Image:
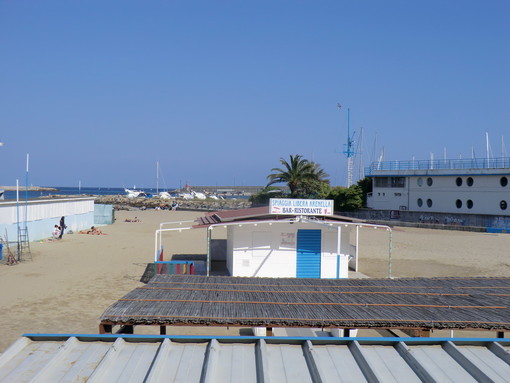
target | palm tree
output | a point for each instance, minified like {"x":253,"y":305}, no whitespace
{"x":296,"y":172}
{"x":319,"y":173}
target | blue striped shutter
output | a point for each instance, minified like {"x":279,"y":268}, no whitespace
{"x":308,"y":263}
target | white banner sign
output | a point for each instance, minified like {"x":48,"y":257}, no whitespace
{"x":301,"y":206}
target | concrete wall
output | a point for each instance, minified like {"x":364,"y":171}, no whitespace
{"x":103,"y":214}
{"x":270,"y":250}
{"x":435,"y":219}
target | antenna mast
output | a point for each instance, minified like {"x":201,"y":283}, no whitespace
{"x":157,"y":177}
{"x":349,"y":152}
{"x":361,"y":170}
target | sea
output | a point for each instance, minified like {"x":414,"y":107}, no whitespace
{"x":65,"y":190}
{"x":73,"y":191}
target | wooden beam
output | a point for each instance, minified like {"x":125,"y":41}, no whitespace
{"x":105,"y":328}
{"x":418,"y":333}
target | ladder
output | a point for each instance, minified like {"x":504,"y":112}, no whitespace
{"x":24,"y":252}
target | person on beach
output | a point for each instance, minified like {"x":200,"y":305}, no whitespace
{"x":93,"y":231}
{"x":56,"y":232}
{"x":62,"y":227}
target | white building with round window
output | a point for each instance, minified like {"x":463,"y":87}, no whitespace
{"x":469,"y":186}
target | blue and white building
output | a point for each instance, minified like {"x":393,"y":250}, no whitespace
{"x":39,"y":216}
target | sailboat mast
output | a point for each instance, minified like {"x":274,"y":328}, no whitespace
{"x":157,"y":177}
{"x":487,"y":148}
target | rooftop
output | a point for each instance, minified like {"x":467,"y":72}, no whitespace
{"x":114,"y":358}
{"x":415,"y":303}
{"x":254,"y":214}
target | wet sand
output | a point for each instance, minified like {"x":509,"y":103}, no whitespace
{"x":69,"y":283}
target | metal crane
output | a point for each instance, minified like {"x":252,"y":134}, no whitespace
{"x":349,"y":148}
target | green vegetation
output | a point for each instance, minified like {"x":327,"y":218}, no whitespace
{"x":366,"y":187}
{"x":307,"y":180}
{"x":262,"y":197}
{"x":347,"y":199}
{"x":304,"y":178}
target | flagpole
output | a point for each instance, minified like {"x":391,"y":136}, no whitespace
{"x":17,"y":218}
{"x":26,"y":193}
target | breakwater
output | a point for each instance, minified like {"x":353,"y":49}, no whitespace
{"x":123,"y":203}
{"x":30,"y":188}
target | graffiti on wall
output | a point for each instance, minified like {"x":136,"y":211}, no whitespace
{"x":500,"y":223}
{"x":379,"y":215}
{"x":446,"y":220}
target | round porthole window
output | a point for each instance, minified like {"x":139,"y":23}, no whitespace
{"x":429,"y":181}
{"x":503,"y":181}
{"x":503,"y":205}
{"x":419,"y":181}
{"x":458,"y":203}
{"x":429,"y":202}
{"x":469,"y":204}
{"x":419,"y":202}
{"x":458,"y":181}
{"x":470,"y":181}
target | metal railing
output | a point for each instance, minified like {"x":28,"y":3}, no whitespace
{"x":472,"y":163}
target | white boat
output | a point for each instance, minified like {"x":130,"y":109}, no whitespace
{"x":192,"y":195}
{"x":165,"y":195}
{"x":132,"y":193}
{"x":185,"y":195}
{"x":198,"y":195}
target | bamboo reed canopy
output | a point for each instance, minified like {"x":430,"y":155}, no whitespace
{"x":417,"y":303}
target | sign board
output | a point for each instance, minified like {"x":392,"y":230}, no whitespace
{"x":301,"y":206}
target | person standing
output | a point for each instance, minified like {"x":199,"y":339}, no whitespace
{"x":62,"y":227}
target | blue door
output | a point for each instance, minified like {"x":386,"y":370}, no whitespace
{"x":308,"y":263}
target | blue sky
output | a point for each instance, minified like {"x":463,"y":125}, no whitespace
{"x":217,"y":91}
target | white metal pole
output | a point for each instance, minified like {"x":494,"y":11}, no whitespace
{"x":357,"y":246}
{"x":17,"y":218}
{"x":338,"y":249}
{"x":389,"y":252}
{"x":209,"y":250}
{"x":26,"y":193}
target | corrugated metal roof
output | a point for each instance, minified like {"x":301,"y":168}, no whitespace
{"x":115,"y":358}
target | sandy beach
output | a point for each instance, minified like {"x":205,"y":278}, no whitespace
{"x":69,"y":283}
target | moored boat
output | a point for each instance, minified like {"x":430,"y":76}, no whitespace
{"x":132,"y":193}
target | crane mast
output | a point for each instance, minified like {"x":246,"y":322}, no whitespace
{"x":349,"y":149}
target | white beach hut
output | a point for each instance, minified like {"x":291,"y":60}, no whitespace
{"x":290,"y":238}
